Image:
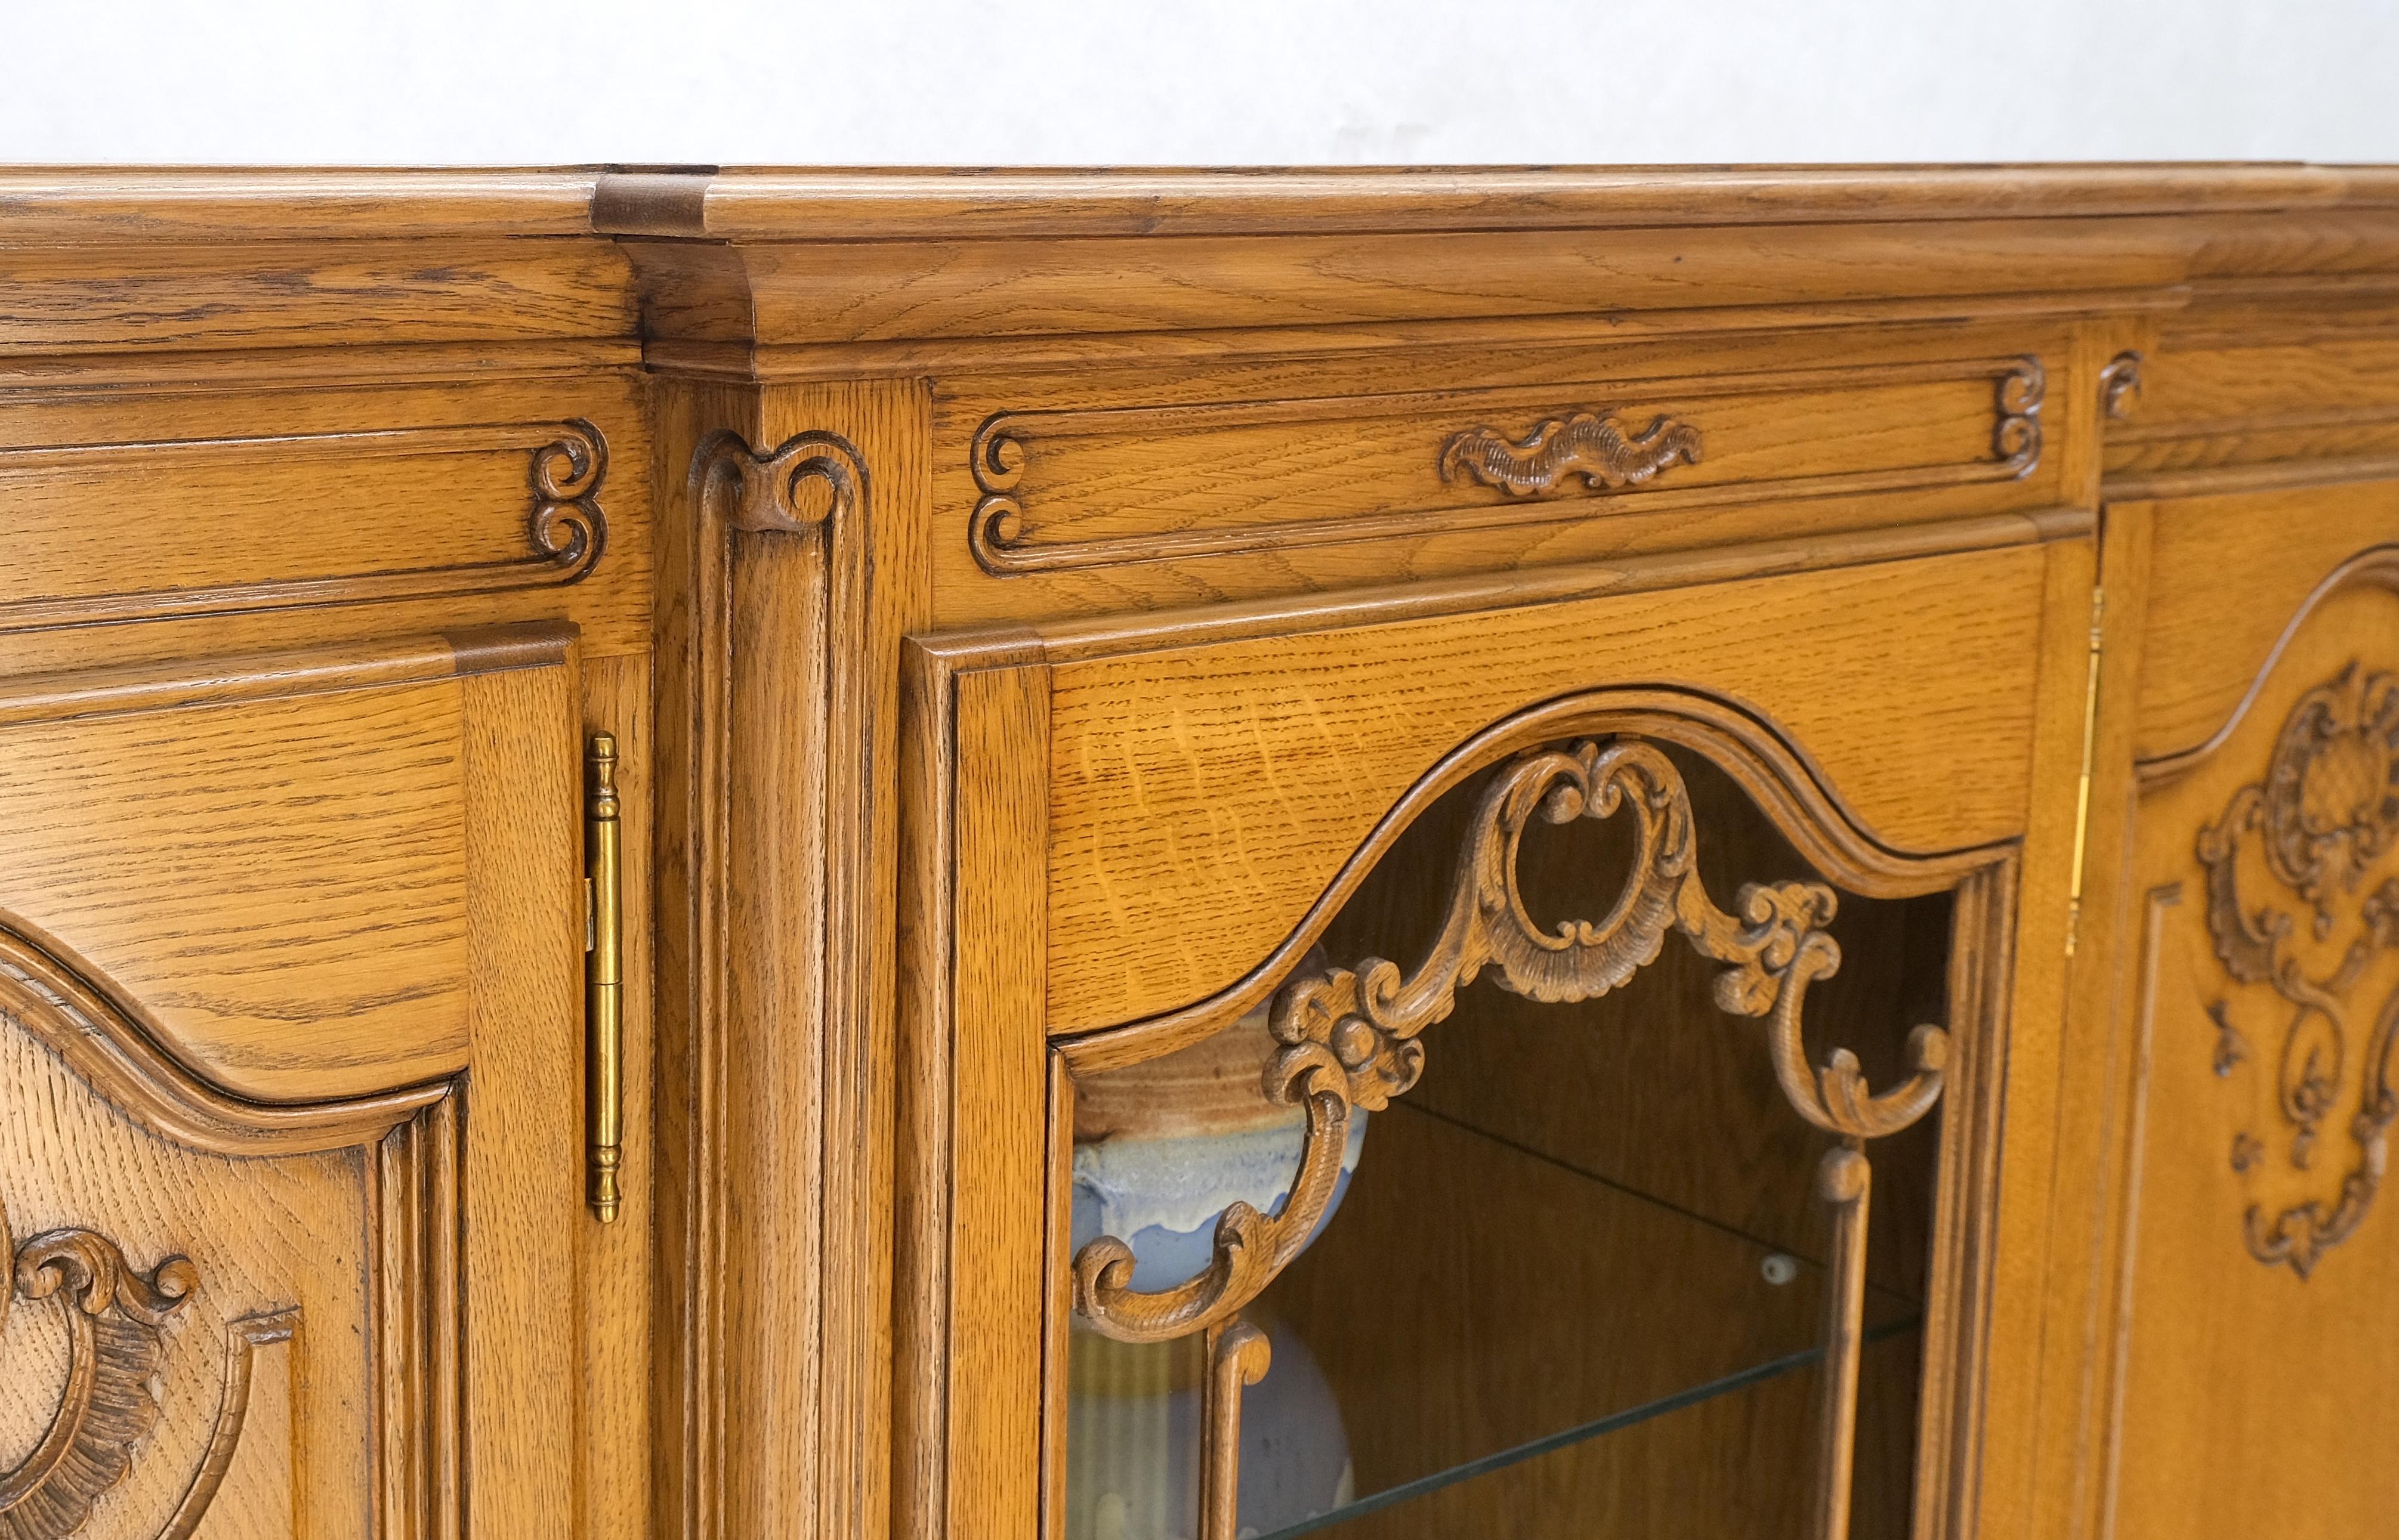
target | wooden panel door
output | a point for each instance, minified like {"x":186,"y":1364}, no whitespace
{"x":1124,"y":846}
{"x":290,"y":1144}
{"x":2244,"y":1382}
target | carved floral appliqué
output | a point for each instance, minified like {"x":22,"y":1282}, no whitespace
{"x":2322,"y":820}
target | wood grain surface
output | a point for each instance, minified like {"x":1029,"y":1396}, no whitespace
{"x":2235,"y":1391}
{"x":370,"y":884}
{"x":1203,"y":795}
{"x":994,"y":743}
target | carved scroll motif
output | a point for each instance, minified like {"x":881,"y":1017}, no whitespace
{"x":1351,"y":1037}
{"x":113,"y":1318}
{"x":243,"y":1339}
{"x":2119,"y":385}
{"x":566,"y":526}
{"x":2326,"y":812}
{"x":2015,"y":438}
{"x":320,"y":474}
{"x":1590,"y":444}
{"x":999,"y":464}
{"x":769,"y":491}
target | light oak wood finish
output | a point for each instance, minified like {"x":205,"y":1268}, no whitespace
{"x":401,"y":1236}
{"x":1035,"y":608}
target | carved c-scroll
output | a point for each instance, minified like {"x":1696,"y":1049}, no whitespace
{"x":2015,"y":438}
{"x":1348,"y":1038}
{"x":566,"y":524}
{"x":997,"y":461}
{"x":1592,"y":445}
{"x":113,"y":1318}
{"x":117,"y":1317}
{"x":2119,"y":385}
{"x":243,"y":1339}
{"x":2326,"y":812}
{"x":767,"y":489}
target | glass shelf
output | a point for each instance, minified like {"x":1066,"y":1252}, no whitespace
{"x":1566,"y":1439}
{"x":1486,"y":1335}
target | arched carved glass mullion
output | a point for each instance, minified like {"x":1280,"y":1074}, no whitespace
{"x":1348,"y":1036}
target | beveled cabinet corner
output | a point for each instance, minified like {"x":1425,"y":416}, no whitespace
{"x":1173,"y":855}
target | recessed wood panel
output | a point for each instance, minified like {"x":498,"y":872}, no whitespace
{"x":2251,"y":1348}
{"x":279,"y":1253}
{"x":2330,"y":392}
{"x":199,"y":526}
{"x":2227,"y":575}
{"x":1203,"y":796}
{"x":281,"y":885}
{"x":1067,"y":489}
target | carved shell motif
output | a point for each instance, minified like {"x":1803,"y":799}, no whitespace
{"x":113,"y":1318}
{"x":2325,"y":815}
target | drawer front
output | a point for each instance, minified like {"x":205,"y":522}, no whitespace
{"x":483,"y":502}
{"x":1064,"y":490}
{"x":1129,"y":486}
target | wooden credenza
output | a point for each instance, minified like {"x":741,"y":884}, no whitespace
{"x":1160,"y":855}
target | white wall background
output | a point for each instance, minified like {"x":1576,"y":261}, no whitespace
{"x":981,"y":82}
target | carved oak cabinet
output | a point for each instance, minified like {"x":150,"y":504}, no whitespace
{"x":1168,"y":856}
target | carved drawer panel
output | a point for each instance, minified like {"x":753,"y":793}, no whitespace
{"x":1133,"y":486}
{"x":264,"y":502}
{"x":1064,"y":488}
{"x":2208,"y":402}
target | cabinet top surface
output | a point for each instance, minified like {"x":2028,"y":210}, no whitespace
{"x":65,"y":204}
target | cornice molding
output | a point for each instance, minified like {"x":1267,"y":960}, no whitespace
{"x":804,"y":205}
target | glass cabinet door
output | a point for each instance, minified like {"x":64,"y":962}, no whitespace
{"x":1605,"y":1206}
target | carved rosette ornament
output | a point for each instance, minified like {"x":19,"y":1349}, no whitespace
{"x":2318,"y":825}
{"x":113,"y":1318}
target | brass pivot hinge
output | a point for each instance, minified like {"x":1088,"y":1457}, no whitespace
{"x":604,"y":981}
{"x":2082,"y":790}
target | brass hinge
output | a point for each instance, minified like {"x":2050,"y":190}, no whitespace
{"x":604,"y":981}
{"x":2082,"y":790}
